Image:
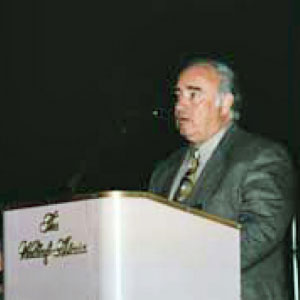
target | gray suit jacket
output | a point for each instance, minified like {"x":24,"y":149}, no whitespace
{"x":249,"y":180}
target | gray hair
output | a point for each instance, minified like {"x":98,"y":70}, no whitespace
{"x":228,"y":81}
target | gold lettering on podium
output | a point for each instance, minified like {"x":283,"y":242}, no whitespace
{"x":62,"y":247}
{"x":38,"y":249}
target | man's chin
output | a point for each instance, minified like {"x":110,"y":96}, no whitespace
{"x":188,"y":136}
{"x":191,"y":138}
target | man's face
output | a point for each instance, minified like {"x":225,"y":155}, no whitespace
{"x":196,"y":110}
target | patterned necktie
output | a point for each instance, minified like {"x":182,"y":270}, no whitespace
{"x":188,"y":180}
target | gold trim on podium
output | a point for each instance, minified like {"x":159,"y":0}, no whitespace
{"x":160,"y":199}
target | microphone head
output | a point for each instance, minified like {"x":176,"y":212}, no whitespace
{"x":161,"y":113}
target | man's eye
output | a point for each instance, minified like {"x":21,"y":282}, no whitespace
{"x":195,"y":95}
{"x":188,"y":94}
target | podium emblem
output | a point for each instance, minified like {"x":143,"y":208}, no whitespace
{"x":50,"y":222}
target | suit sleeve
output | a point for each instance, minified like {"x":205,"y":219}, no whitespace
{"x":267,"y":194}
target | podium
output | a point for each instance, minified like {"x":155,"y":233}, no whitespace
{"x":120,"y":246}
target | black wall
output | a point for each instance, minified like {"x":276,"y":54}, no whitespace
{"x":81,"y":78}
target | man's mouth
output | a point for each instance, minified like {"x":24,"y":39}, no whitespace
{"x":183,"y":119}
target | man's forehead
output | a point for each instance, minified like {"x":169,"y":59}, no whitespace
{"x":203,"y":71}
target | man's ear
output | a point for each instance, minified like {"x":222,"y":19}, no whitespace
{"x":227,"y":103}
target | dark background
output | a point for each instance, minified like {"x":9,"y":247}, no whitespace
{"x":81,"y":79}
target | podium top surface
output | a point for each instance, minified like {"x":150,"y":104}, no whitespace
{"x":136,"y":194}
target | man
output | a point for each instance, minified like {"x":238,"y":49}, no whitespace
{"x":237,"y":175}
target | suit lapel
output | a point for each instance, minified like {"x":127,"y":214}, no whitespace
{"x":171,"y":171}
{"x":214,"y":171}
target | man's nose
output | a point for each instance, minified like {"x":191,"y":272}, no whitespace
{"x":182,"y":102}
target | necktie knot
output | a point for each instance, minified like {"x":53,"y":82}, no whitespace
{"x":193,"y":161}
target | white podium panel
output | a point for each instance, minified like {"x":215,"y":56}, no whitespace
{"x":120,"y":246}
{"x":40,"y":265}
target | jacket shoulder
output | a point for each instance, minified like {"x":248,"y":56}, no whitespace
{"x":251,"y":146}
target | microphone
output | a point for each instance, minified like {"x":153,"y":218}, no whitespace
{"x":162,"y":113}
{"x":158,"y":113}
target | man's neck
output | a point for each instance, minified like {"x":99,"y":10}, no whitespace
{"x":213,"y":136}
